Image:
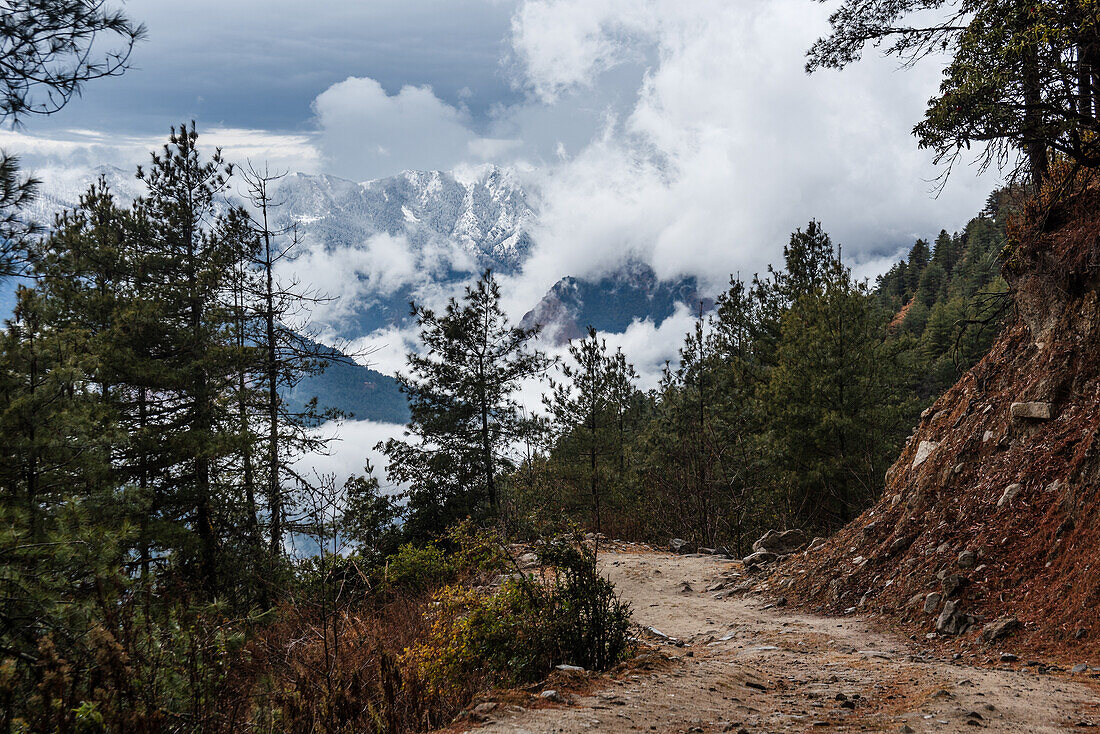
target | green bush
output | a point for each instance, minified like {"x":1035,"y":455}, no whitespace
{"x":569,"y":613}
{"x":418,"y":568}
{"x":590,"y":623}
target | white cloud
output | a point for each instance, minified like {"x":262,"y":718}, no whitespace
{"x":385,"y":350}
{"x":78,"y":150}
{"x":346,"y":277}
{"x":492,"y":148}
{"x":566,"y":44}
{"x":352,"y":448}
{"x":727,"y":145}
{"x":366,"y":133}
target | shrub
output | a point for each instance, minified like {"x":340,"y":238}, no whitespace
{"x":417,"y":568}
{"x":566,"y":614}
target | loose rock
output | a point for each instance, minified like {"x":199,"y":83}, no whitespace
{"x":951,"y":621}
{"x":1009,"y":494}
{"x":759,"y":558}
{"x":999,"y":628}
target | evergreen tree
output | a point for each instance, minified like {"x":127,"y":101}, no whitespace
{"x":588,"y":411}
{"x":833,"y":398}
{"x":465,"y":418}
{"x":187,"y":266}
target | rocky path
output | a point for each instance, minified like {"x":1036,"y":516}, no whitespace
{"x":743,"y":664}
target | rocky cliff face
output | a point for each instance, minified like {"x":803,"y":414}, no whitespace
{"x":990,"y":519}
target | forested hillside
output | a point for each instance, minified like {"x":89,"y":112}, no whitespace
{"x":950,"y":295}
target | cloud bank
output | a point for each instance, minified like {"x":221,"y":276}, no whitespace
{"x":728,"y":145}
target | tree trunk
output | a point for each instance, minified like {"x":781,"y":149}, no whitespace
{"x":1034,"y":142}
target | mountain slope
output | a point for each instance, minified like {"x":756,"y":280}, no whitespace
{"x":611,"y":302}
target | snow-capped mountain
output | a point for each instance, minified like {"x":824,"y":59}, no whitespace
{"x":419,"y":235}
{"x":375,"y":245}
{"x":611,"y":302}
{"x":487,"y":215}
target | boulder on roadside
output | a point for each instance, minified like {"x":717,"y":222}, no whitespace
{"x":759,"y":558}
{"x":678,"y":545}
{"x":999,"y":628}
{"x":952,"y":621}
{"x":782,"y":542}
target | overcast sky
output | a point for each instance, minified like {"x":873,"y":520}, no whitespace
{"x":682,"y":132}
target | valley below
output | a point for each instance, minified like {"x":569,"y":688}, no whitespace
{"x":728,"y":658}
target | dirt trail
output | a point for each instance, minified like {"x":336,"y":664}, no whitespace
{"x":747,"y":665}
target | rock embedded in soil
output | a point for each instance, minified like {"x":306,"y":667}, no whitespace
{"x":1009,"y":494}
{"x":951,"y":583}
{"x":924,"y":450}
{"x":999,"y":628}
{"x":968,"y":559}
{"x":932,"y":602}
{"x":899,"y":545}
{"x":678,"y":545}
{"x":1031,"y":411}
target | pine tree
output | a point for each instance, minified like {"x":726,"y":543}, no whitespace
{"x":187,"y":265}
{"x":586,"y":414}
{"x":832,"y":401}
{"x":465,"y":417}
